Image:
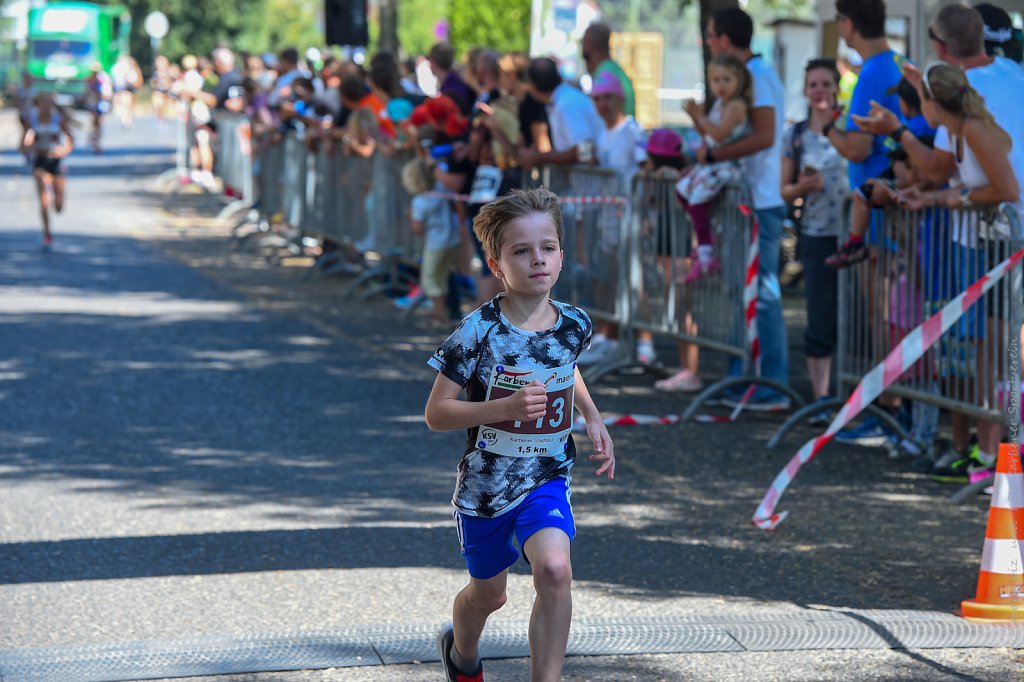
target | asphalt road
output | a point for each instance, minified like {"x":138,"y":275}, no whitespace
{"x":195,"y":443}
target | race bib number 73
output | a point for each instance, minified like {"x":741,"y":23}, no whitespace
{"x":544,"y":437}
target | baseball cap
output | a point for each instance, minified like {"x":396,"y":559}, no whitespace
{"x":665,"y":142}
{"x":998,"y":26}
{"x":607,"y":84}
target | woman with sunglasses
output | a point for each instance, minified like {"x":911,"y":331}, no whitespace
{"x":981,"y":147}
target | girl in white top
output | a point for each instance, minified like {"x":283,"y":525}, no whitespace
{"x":728,"y":120}
{"x":47,"y":141}
{"x":980,"y":146}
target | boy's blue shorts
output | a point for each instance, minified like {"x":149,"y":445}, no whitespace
{"x":487,"y":542}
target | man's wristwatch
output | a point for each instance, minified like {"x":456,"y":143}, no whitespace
{"x":965,"y":197}
{"x":897,"y":134}
{"x":709,"y":156}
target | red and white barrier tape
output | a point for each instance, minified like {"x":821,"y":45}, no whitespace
{"x":580,"y":424}
{"x":883,"y":375}
{"x":595,"y":199}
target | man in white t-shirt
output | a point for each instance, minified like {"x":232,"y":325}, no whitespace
{"x":572,"y":118}
{"x":729,"y":32}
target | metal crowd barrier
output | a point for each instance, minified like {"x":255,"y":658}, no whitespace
{"x":181,"y":173}
{"x":268,"y":168}
{"x":343,"y":190}
{"x":706,"y":312}
{"x":356,"y":205}
{"x":233,"y":160}
{"x":595,"y":237}
{"x":921,"y":261}
{"x":709,"y":311}
{"x":388,"y":243}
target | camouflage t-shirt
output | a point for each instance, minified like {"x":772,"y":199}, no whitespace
{"x":489,"y":484}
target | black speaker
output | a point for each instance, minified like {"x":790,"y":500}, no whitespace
{"x":345,"y":22}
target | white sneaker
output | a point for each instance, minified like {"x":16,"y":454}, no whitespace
{"x":599,"y":351}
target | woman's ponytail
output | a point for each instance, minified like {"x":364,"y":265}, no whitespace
{"x":973,"y":106}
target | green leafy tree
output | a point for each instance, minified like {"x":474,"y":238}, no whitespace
{"x":503,"y":25}
{"x":416,"y":22}
{"x":198,"y":27}
{"x":293,"y":23}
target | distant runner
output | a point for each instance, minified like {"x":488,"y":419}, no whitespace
{"x":99,"y":92}
{"x":48,"y":140}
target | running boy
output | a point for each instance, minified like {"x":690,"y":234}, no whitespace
{"x":516,"y":358}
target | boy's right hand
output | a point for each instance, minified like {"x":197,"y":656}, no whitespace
{"x":529,"y":403}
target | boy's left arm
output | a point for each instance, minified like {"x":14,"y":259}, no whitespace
{"x":604,"y":450}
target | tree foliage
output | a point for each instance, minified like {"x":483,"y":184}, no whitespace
{"x":198,"y":27}
{"x":503,"y":26}
{"x":293,"y":23}
{"x":416,"y":22}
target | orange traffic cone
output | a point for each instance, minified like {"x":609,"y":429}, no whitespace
{"x":1000,"y":595}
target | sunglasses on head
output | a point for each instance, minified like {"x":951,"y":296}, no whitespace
{"x":931,"y":35}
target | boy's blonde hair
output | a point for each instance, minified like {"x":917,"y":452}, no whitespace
{"x":418,"y":176}
{"x":489,"y":225}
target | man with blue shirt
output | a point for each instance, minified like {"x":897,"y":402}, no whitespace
{"x":729,"y":32}
{"x":861,"y":23}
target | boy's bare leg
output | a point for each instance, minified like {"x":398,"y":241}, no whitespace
{"x":477,"y":600}
{"x":548,"y":552}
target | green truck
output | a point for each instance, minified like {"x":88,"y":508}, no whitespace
{"x":65,"y":40}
